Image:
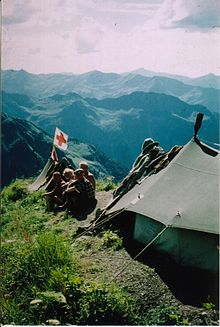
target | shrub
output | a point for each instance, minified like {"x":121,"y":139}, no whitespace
{"x":97,"y":304}
{"x":69,"y":299}
{"x":51,"y":306}
{"x":208,"y":305}
{"x":12,"y":313}
{"x":105,"y":185}
{"x":35,"y":198}
{"x":15,"y":191}
{"x":168,"y":316}
{"x":33,"y":262}
{"x":112,"y":240}
{"x":59,"y":278}
{"x":31,"y":267}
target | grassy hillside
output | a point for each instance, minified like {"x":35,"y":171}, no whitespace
{"x":51,"y":273}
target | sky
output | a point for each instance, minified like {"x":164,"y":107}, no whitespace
{"x":76,"y":36}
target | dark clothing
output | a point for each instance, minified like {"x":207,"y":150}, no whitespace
{"x":55,"y":186}
{"x":84,"y":199}
{"x":85,"y":188}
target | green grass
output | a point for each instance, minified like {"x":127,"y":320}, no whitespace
{"x":166,"y":316}
{"x":105,"y":185}
{"x":42,"y":273}
{"x":112,"y":240}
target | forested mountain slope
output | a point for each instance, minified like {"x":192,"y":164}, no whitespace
{"x":26,"y":149}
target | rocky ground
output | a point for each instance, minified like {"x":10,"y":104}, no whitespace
{"x":144,"y":279}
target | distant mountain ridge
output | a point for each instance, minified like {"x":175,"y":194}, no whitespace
{"x":209,"y":80}
{"x":116,"y":126}
{"x":101,"y":85}
{"x":26,"y":149}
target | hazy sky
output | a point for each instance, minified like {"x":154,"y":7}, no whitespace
{"x":174,"y":36}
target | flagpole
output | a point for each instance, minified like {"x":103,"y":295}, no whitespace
{"x":54,"y":153}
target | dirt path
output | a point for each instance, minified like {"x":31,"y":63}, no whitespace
{"x":103,"y":198}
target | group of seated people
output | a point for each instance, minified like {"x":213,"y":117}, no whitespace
{"x":73,"y":190}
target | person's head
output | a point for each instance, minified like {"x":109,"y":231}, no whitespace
{"x":79,"y":174}
{"x":68,"y":173}
{"x":154,"y":153}
{"x":84,"y":166}
{"x":57,"y":177}
{"x":146,"y":143}
{"x":149,"y":146}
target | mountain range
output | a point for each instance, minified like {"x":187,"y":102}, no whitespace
{"x":96,"y":84}
{"x":106,"y":115}
{"x":116,"y":126}
{"x":26,"y":149}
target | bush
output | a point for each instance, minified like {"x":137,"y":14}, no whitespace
{"x":15,"y":191}
{"x":33,"y":262}
{"x":40,"y":283}
{"x":165,"y":316}
{"x":105,"y":185}
{"x":112,"y":240}
{"x":12,"y":313}
{"x":30,"y":267}
{"x":50,"y":306}
{"x":208,"y":305}
{"x":97,"y":304}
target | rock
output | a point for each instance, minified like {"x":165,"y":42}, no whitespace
{"x":36,"y":302}
{"x":53,"y":322}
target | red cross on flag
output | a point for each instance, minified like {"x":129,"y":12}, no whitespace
{"x":60,"y":139}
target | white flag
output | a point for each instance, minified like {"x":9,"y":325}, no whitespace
{"x":60,"y":139}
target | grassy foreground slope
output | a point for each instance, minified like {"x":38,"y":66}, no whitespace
{"x":51,"y":274}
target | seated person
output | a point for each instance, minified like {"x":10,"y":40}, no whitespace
{"x":59,"y":166}
{"x":68,"y":174}
{"x":84,"y":166}
{"x":55,"y":194}
{"x":80,"y":194}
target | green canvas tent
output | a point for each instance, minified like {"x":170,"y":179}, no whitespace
{"x":182,"y":200}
